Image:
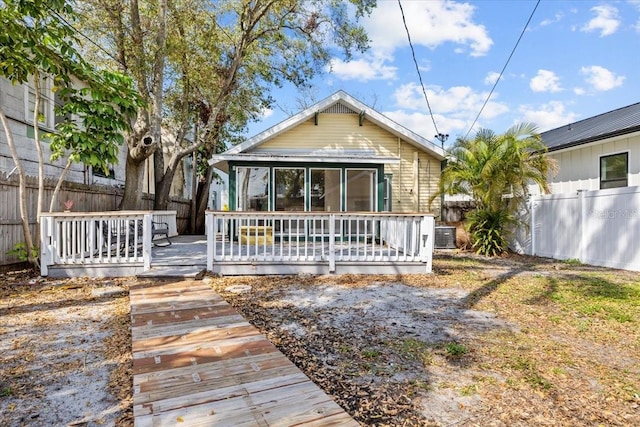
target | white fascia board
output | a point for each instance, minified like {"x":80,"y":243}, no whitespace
{"x":370,"y":114}
{"x":221,"y":161}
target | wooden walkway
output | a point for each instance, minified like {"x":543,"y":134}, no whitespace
{"x":197,"y":362}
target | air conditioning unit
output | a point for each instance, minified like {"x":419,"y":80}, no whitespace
{"x":445,"y":237}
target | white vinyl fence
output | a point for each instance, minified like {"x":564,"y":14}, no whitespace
{"x":595,"y":227}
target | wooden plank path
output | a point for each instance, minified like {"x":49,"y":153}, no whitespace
{"x":197,"y":362}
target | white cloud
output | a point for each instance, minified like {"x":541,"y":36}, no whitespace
{"x":579,"y":91}
{"x":556,"y":18}
{"x":454,"y":108}
{"x":266,"y":113}
{"x":547,"y":116}
{"x":606,"y":20}
{"x":545,"y":81}
{"x":600,"y":78}
{"x":430,"y":24}
{"x":491,"y":78}
{"x":364,"y":69}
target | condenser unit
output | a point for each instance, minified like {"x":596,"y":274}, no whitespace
{"x":445,"y":237}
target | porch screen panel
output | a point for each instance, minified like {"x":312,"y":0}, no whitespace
{"x":325,"y":197}
{"x":361,"y":197}
{"x":289,"y":188}
{"x":361,"y":190}
{"x":252,"y":189}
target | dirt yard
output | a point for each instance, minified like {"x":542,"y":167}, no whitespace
{"x":513,"y":341}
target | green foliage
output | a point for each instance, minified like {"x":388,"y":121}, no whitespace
{"x":496,"y":171}
{"x":489,"y":231}
{"x":20,"y":251}
{"x":100,"y":114}
{"x":454,"y":349}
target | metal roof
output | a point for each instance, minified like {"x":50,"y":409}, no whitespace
{"x":622,"y":121}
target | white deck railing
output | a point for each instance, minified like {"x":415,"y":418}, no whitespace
{"x":98,"y":238}
{"x":309,"y":237}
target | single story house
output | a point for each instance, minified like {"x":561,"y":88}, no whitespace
{"x":598,"y":152}
{"x":338,"y":155}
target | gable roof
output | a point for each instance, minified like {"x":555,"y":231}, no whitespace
{"x":618,"y":122}
{"x":346,"y":100}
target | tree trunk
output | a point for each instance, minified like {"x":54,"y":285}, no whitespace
{"x":202,"y":201}
{"x":24,"y":214}
{"x":132,"y":197}
{"x":54,"y":196}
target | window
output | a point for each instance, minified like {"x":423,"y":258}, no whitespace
{"x":45,"y":111}
{"x":325,"y":190}
{"x":100,"y":172}
{"x":387,"y":193}
{"x":289,"y":188}
{"x":361,"y":190}
{"x":252,"y":189}
{"x":614,"y":170}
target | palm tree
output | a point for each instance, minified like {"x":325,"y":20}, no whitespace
{"x":496,"y":172}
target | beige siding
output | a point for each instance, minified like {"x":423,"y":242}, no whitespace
{"x":334,"y":133}
{"x":341,"y":133}
{"x":579,"y":168}
{"x":406,"y":198}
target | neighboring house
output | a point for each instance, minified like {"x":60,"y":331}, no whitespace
{"x":18,"y":102}
{"x":337,"y":155}
{"x":597,"y":153}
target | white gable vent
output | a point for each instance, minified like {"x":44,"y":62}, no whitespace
{"x":339,"y":108}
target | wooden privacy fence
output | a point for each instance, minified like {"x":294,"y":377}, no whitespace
{"x":595,"y":227}
{"x":294,"y":242}
{"x":86,"y":198}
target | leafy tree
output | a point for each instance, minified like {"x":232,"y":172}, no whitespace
{"x":37,"y":41}
{"x":496,"y":172}
{"x":224,"y":57}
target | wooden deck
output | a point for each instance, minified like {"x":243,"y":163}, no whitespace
{"x":197,"y":362}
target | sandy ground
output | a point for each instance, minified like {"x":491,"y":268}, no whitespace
{"x":57,"y":356}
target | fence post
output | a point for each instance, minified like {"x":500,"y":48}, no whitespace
{"x":146,"y":241}
{"x":209,"y":220}
{"x":332,"y":243}
{"x":532,"y":229}
{"x":583,"y":226}
{"x":427,"y":230}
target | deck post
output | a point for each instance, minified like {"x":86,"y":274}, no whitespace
{"x":332,"y":243}
{"x":427,"y":230}
{"x":45,"y":248}
{"x":209,"y":220}
{"x":146,"y":242}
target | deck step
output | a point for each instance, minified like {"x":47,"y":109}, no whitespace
{"x":193,"y":272}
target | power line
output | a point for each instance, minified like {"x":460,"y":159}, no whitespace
{"x":413,"y":54}
{"x":68,"y":24}
{"x":503,"y":69}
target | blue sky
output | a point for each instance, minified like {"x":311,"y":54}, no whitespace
{"x":576,"y":59}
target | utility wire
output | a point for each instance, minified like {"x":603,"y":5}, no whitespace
{"x":503,"y":69}
{"x":68,"y":24}
{"x":413,"y":53}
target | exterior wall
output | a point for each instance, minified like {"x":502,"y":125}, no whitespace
{"x":13,"y":102}
{"x":579,"y":168}
{"x":413,"y":181}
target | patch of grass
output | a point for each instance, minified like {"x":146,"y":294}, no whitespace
{"x":572,"y":262}
{"x":455,"y":349}
{"x":414,"y":349}
{"x":6,"y":392}
{"x":469,"y":390}
{"x":531,"y":374}
{"x":370,"y":353}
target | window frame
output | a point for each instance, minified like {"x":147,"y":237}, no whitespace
{"x":605,"y":183}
